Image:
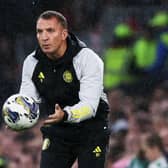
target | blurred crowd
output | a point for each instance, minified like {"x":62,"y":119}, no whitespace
{"x":137,"y":86}
{"x":135,"y":54}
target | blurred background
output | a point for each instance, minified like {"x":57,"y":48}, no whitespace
{"x":131,"y":37}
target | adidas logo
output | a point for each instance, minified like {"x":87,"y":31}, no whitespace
{"x":97,"y":151}
{"x":41,"y":77}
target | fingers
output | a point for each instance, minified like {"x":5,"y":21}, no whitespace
{"x":7,"y":127}
{"x":50,"y":121}
{"x":55,"y":117}
{"x":52,"y":118}
{"x":56,"y":114}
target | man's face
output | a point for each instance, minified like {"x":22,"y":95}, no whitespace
{"x":150,"y":153}
{"x":50,"y":35}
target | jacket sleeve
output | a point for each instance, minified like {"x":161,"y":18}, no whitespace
{"x":27,"y":86}
{"x":89,"y":70}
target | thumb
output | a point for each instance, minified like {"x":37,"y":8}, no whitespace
{"x":57,"y":107}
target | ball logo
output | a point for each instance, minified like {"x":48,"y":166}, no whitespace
{"x":67,"y":76}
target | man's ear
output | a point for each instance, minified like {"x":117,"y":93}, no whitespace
{"x":64,"y":34}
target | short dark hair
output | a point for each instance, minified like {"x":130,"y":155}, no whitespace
{"x":154,"y":140}
{"x":54,"y":14}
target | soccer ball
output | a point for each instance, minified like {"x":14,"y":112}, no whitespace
{"x":20,"y":112}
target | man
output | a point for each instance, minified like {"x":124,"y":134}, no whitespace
{"x":154,"y":151}
{"x":68,"y":78}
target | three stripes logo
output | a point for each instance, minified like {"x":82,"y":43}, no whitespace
{"x":41,"y":76}
{"x":97,"y":151}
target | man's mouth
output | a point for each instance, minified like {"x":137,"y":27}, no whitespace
{"x":45,"y":46}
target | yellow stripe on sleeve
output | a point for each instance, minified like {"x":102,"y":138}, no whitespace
{"x":81,"y":113}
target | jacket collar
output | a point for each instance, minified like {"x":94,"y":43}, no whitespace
{"x":74,"y":45}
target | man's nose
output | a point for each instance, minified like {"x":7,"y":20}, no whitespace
{"x":44,"y":36}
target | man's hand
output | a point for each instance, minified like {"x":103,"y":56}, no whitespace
{"x":56,"y":117}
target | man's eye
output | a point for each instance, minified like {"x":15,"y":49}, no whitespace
{"x":39,"y":31}
{"x":50,"y":30}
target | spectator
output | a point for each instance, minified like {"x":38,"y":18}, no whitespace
{"x":117,"y":58}
{"x":154,"y":151}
